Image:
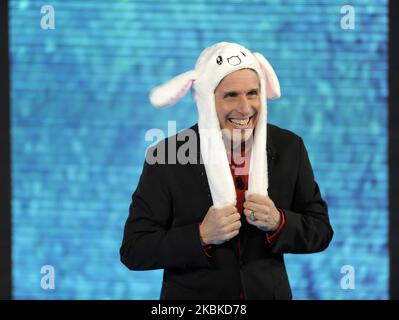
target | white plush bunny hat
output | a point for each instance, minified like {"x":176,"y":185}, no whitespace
{"x":212,"y":66}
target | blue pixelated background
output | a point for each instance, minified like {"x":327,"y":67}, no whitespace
{"x":80,"y":112}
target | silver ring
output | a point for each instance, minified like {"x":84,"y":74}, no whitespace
{"x":252,"y":216}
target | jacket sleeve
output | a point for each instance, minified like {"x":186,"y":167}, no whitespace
{"x":307,"y":228}
{"x":150,"y":239}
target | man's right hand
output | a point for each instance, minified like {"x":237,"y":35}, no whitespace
{"x":220,"y":225}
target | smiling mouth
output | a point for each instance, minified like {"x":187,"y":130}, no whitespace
{"x":241,"y":122}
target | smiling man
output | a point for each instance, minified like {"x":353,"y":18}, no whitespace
{"x":237,"y":99}
{"x":220,"y":228}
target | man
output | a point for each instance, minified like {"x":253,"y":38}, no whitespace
{"x":219,"y":225}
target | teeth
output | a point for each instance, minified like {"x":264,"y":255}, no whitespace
{"x":241,"y":122}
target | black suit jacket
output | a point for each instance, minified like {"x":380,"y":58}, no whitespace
{"x":171,"y":200}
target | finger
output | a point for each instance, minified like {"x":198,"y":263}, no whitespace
{"x":267,"y":223}
{"x":232,"y":218}
{"x":247,"y":212}
{"x":235,"y":226}
{"x":232,"y":234}
{"x":259,"y":215}
{"x":249,"y":220}
{"x":252,"y":206}
{"x":259,"y":223}
{"x":232,"y":227}
{"x":228,"y":210}
{"x":257,"y":198}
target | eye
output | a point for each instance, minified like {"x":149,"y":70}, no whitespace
{"x":253,"y":93}
{"x":230,"y":95}
{"x":243,"y":53}
{"x":219,"y":60}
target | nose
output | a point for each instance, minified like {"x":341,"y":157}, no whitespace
{"x":244,"y":106}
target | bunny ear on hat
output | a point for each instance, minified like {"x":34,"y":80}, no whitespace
{"x":272,"y":83}
{"x":173,"y":90}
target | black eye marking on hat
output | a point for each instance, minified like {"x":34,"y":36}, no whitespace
{"x":234,"y":60}
{"x":219,"y":60}
{"x":243,"y":53}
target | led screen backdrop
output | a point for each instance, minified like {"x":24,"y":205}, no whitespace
{"x":80,"y":113}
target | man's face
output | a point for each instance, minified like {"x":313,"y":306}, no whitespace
{"x":237,"y":99}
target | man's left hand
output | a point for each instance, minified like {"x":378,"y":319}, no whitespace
{"x":261,"y":212}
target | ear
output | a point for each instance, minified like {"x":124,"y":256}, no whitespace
{"x":173,"y":90}
{"x":272,"y":83}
